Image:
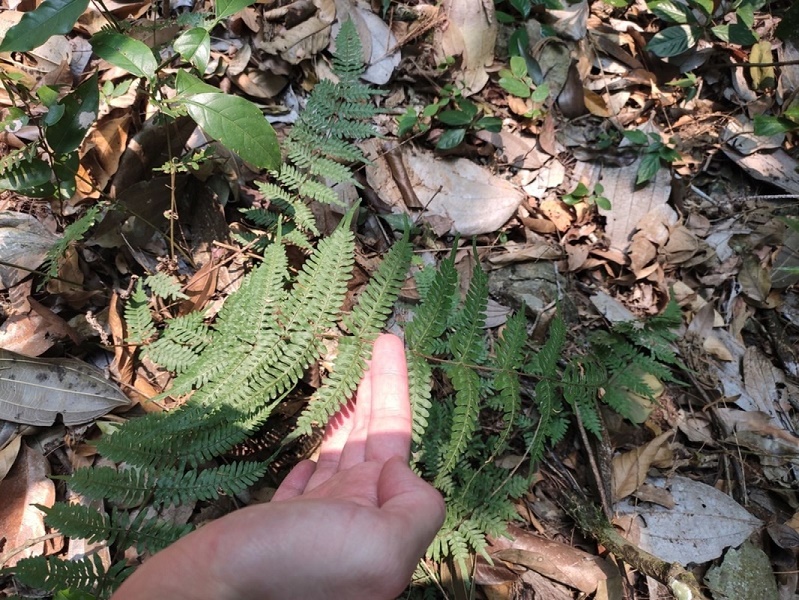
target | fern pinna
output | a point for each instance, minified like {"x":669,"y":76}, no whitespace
{"x":320,"y":146}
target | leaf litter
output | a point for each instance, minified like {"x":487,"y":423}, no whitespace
{"x":713,"y":460}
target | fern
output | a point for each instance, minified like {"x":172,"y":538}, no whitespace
{"x":137,"y":316}
{"x":165,"y":286}
{"x":85,"y":574}
{"x":321,"y":142}
{"x":72,"y":233}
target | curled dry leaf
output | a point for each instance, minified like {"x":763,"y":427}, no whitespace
{"x":24,"y":242}
{"x":35,"y":391}
{"x":630,"y":468}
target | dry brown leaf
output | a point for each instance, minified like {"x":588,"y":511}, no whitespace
{"x":557,"y":212}
{"x":556,"y":560}
{"x":9,"y":454}
{"x":630,"y":468}
{"x":26,"y":484}
{"x":755,"y":280}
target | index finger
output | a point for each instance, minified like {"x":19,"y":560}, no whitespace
{"x":389,"y":431}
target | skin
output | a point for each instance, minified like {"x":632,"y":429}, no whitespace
{"x":352,"y":525}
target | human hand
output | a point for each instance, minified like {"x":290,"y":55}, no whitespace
{"x":351,"y":526}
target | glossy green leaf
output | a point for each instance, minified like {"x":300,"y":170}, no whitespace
{"x":126,"y":53}
{"x":52,"y":17}
{"x":455,"y":118}
{"x":735,"y":33}
{"x":603,"y":203}
{"x":636,"y":136}
{"x":515,"y":87}
{"x":672,"y":41}
{"x":671,"y":12}
{"x":194,"y":45}
{"x":238,"y":124}
{"x":450,"y":139}
{"x":226,"y":8}
{"x":80,"y":112}
{"x":407,"y":121}
{"x":650,"y":164}
{"x":489,"y":124}
{"x":706,"y":6}
{"x":187,"y":84}
{"x":26,"y":175}
{"x":66,"y":169}
{"x":792,"y":113}
{"x":767,"y":125}
{"x":47,"y":95}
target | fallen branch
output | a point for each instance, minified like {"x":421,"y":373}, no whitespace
{"x":592,"y":521}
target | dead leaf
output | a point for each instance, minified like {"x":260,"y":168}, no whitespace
{"x":556,"y":560}
{"x":35,"y":391}
{"x":8,"y":455}
{"x":470,"y":32}
{"x":630,"y":469}
{"x":703,"y":522}
{"x":755,"y":280}
{"x":26,"y":484}
{"x":775,"y":168}
{"x":557,"y":212}
{"x":24,"y":242}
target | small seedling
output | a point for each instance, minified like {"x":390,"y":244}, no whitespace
{"x":654,"y":151}
{"x":582,"y":194}
{"x":517,"y":82}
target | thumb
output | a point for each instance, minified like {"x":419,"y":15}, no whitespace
{"x":403,"y":493}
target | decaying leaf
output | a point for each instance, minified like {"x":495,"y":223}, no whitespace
{"x":630,"y":468}
{"x":24,"y":242}
{"x":20,"y":522}
{"x":703,"y":522}
{"x":35,"y":391}
{"x":745,"y":573}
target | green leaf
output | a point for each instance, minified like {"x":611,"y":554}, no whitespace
{"x":80,"y":112}
{"x":194,"y":45}
{"x":616,"y":3}
{"x":66,"y":169}
{"x":407,"y":121}
{"x":517,"y":66}
{"x":671,"y":12}
{"x":238,"y":124}
{"x":26,"y":175}
{"x":187,"y":84}
{"x":226,"y":8}
{"x":792,"y":113}
{"x":454,"y":117}
{"x":515,"y":87}
{"x":469,"y":107}
{"x":540,"y":94}
{"x":706,"y":6}
{"x":47,"y":95}
{"x":735,"y":33}
{"x":126,"y":53}
{"x":767,"y":126}
{"x":52,"y":17}
{"x":672,"y":41}
{"x":636,"y":136}
{"x":450,"y":139}
{"x":489,"y":124}
{"x":602,"y":203}
{"x":650,"y":164}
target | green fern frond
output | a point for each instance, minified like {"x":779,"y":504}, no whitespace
{"x":78,"y":521}
{"x":348,"y":57}
{"x":466,"y":382}
{"x":181,"y":343}
{"x":72,"y":233}
{"x":85,"y":574}
{"x":430,"y":319}
{"x":137,"y":316}
{"x":183,"y":487}
{"x":165,"y":286}
{"x":420,"y":376}
{"x":467,"y":342}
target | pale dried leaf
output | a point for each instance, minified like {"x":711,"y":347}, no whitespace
{"x":630,"y":204}
{"x":703,"y":522}
{"x":630,"y":468}
{"x":34,"y":391}
{"x":9,"y":454}
{"x":776,"y":167}
{"x":470,"y":32}
{"x":24,"y":242}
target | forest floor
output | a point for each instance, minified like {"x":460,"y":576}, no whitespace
{"x":605,"y":156}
